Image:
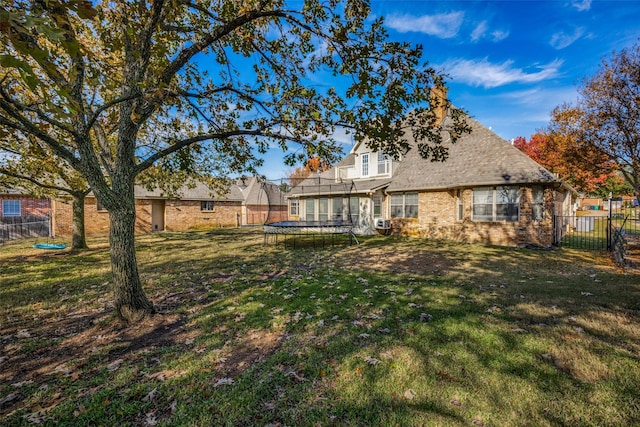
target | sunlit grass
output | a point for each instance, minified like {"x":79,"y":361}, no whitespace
{"x":393,"y":331}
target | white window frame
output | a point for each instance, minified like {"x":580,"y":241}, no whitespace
{"x":294,"y":207}
{"x":310,"y":209}
{"x":492,"y":199}
{"x":364,"y":161}
{"x":337,"y":208}
{"x":207,"y":206}
{"x":460,"y":206}
{"x":537,"y":203}
{"x":9,"y":207}
{"x":383,"y":163}
{"x":323,"y":209}
{"x":399,"y":201}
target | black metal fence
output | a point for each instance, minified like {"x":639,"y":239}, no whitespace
{"x":593,"y":232}
{"x":22,"y":227}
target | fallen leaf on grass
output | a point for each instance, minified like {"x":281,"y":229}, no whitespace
{"x":409,"y":394}
{"x":223,"y":381}
{"x":150,"y":396}
{"x":371,"y":360}
{"x":295,"y":375}
{"x":8,"y":399}
{"x":113,"y":366}
{"x":477,"y":423}
{"x":455,"y":402}
{"x":23,"y":333}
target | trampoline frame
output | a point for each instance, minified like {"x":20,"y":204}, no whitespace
{"x":308,"y":228}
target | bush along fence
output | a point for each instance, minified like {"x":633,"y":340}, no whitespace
{"x":22,"y":227}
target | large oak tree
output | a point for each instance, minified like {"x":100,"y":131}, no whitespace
{"x":113,"y":88}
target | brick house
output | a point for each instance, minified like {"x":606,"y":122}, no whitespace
{"x":197,"y":208}
{"x":14,"y":204}
{"x":486,"y":192}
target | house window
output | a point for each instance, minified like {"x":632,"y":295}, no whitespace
{"x":496,"y":204}
{"x":323,"y":209}
{"x":377,"y":206}
{"x":206,"y":206}
{"x":354,"y":209}
{"x":383,"y":164}
{"x":537,"y":203}
{"x":460,"y":206}
{"x":337,"y":208}
{"x":507,"y":204}
{"x":310,"y":214}
{"x":404,"y":205}
{"x":294,"y":207}
{"x":99,"y":206}
{"x":11,"y":208}
{"x":365,"y":165}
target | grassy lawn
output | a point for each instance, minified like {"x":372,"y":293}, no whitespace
{"x":390,"y":332}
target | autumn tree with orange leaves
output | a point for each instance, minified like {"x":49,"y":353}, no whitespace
{"x":587,"y":172}
{"x":601,"y":132}
{"x":300,"y":173}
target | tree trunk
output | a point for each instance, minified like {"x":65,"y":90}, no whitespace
{"x":131,"y":303}
{"x":78,"y":240}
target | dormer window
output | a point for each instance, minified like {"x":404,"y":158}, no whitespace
{"x":365,"y":164}
{"x":383,"y":164}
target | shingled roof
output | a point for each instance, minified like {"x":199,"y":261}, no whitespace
{"x":200,"y":192}
{"x":480,"y":158}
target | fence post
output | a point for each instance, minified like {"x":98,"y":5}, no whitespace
{"x":609,"y":225}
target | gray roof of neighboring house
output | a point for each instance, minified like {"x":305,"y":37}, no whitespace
{"x":477,"y":159}
{"x":249,"y":190}
{"x":199,"y":192}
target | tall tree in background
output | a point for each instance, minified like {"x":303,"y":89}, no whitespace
{"x":89,"y":78}
{"x":603,"y":128}
{"x":585,"y":171}
{"x":300,"y":173}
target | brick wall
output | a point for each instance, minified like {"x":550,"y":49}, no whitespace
{"x":186,"y":215}
{"x":438,"y":218}
{"x":28,"y":205}
{"x":179,"y":215}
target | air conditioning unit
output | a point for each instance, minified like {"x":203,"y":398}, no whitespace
{"x":382,"y":224}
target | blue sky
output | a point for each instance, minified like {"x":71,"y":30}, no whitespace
{"x":510,"y":62}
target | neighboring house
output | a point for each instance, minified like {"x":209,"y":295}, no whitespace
{"x":197,"y":208}
{"x":13,"y":203}
{"x":487,"y":191}
{"x":23,"y":216}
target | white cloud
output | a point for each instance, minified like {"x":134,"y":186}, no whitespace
{"x":489,"y":75}
{"x":562,"y":40}
{"x":581,"y":5}
{"x":499,"y":35}
{"x":479,"y":31}
{"x":482,"y":31}
{"x":443,"y":25}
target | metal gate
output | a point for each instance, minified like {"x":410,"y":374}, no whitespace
{"x":593,"y":232}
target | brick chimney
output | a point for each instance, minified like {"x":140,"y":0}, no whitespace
{"x":439,"y":102}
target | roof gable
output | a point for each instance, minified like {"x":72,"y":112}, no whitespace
{"x":480,"y":158}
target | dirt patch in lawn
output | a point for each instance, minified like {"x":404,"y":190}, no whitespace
{"x":412,"y":262}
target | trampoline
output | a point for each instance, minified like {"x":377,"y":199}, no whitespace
{"x":338,"y":223}
{"x":320,"y":229}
